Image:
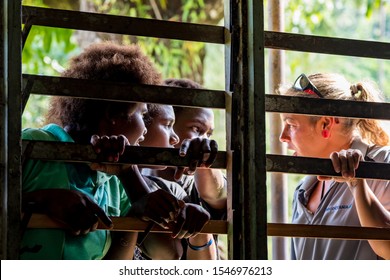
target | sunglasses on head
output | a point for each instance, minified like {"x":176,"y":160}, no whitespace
{"x":303,"y":83}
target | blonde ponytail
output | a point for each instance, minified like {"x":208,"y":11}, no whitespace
{"x":370,"y":130}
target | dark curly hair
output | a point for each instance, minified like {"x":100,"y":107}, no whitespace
{"x":102,"y":61}
{"x":154,"y":110}
{"x":183,"y":83}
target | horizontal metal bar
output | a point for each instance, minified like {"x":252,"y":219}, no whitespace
{"x":327,"y":231}
{"x":106,"y":90}
{"x":73,"y":152}
{"x":220,"y":227}
{"x":125,"y":224}
{"x":318,"y":166}
{"x":327,"y":107}
{"x":123,"y":25}
{"x":59,"y":86}
{"x":327,"y":45}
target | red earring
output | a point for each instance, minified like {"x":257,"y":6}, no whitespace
{"x":325,"y":133}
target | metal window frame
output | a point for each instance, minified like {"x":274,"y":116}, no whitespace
{"x":244,"y":100}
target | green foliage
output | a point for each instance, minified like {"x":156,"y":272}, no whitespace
{"x":361,"y":20}
{"x":46,"y":52}
{"x":174,"y":58}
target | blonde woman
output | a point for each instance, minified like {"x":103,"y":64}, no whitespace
{"x":343,"y":200}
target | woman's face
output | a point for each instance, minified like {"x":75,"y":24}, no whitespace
{"x":301,"y":135}
{"x":160,"y":131}
{"x":194,"y":122}
{"x":131,"y":124}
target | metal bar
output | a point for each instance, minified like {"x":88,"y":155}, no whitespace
{"x":327,"y":107}
{"x":199,"y":32}
{"x":26,"y":31}
{"x":229,"y":117}
{"x":318,"y":166}
{"x":10,"y":153}
{"x":72,"y":152}
{"x":49,"y":85}
{"x":124,"y":25}
{"x":132,"y":224}
{"x":3,"y":128}
{"x":249,"y":178}
{"x":327,"y":231}
{"x":125,"y":224}
{"x":326,"y":45}
{"x":26,"y":93}
{"x":256,"y":195}
{"x":106,"y":90}
{"x":233,"y":82}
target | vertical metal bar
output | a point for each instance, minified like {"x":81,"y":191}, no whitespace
{"x":248,"y":134}
{"x":228,"y":121}
{"x":11,"y":85}
{"x":279,"y":191}
{"x":255,"y":164}
{"x":3,"y":129}
{"x":234,"y":81}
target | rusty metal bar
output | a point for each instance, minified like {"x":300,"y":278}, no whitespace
{"x":3,"y":130}
{"x":125,"y":224}
{"x":326,"y":45}
{"x":123,"y":25}
{"x":198,"y":32}
{"x":327,"y":107}
{"x":256,"y":195}
{"x":327,"y":231}
{"x":10,"y":127}
{"x":106,"y":90}
{"x":319,"y":166}
{"x":73,"y":152}
{"x":220,"y":227}
{"x":229,"y":117}
{"x":248,"y":137}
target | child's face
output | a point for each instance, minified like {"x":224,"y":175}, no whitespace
{"x":160,"y":132}
{"x":194,"y":122}
{"x":132,"y":126}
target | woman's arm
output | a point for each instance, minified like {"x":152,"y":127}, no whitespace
{"x":371,"y":214}
{"x":370,"y":210}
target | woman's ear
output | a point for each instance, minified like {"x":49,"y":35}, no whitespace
{"x":328,"y":122}
{"x":326,"y":126}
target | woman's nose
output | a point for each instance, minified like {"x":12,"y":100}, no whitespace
{"x":284,"y":137}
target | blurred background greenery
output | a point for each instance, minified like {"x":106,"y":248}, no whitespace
{"x":48,"y":50}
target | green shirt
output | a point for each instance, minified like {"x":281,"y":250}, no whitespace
{"x":106,"y":191}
